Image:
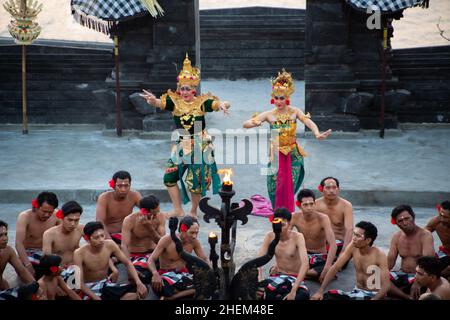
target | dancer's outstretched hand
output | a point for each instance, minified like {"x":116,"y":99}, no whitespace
{"x":323,"y":135}
{"x":149,"y":97}
{"x":224,"y":106}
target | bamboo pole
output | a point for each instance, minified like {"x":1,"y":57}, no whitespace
{"x":24,"y":91}
{"x":116,"y":61}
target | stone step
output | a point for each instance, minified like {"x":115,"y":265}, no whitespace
{"x":251,"y":19}
{"x":52,"y":117}
{"x":50,"y":85}
{"x":237,"y":44}
{"x":263,"y":23}
{"x":44,"y":105}
{"x":62,"y":69}
{"x":421,"y":117}
{"x":47,"y":95}
{"x":251,"y":53}
{"x":224,"y":62}
{"x":254,"y":10}
{"x":253,"y":33}
{"x":422,"y":50}
{"x":78,"y":76}
{"x":63,"y":56}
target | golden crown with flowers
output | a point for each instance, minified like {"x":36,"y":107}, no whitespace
{"x":189,"y":75}
{"x":283,"y":84}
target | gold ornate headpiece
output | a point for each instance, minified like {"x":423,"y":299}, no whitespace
{"x":189,"y":75}
{"x":283,"y":85}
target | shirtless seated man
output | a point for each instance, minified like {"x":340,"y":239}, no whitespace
{"x":51,"y":283}
{"x":319,"y":237}
{"x":113,"y":206}
{"x":441,"y":224}
{"x":173,"y":280}
{"x":8,"y":255}
{"x":30,"y":227}
{"x":339,"y":210}
{"x":63,"y":239}
{"x":411,"y":242}
{"x":93,"y":261}
{"x":285,"y":281}
{"x":428,"y":275}
{"x":371,"y":268}
{"x":141,"y":231}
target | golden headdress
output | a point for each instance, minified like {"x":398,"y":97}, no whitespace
{"x":283,"y":84}
{"x":189,"y":75}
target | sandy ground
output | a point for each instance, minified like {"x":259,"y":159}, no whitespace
{"x":418,"y":28}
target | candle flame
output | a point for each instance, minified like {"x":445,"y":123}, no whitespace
{"x":227,"y":178}
{"x":277,"y":220}
{"x":212,"y":235}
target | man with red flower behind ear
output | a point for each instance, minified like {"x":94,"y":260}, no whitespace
{"x":441,"y":224}
{"x":64,"y":239}
{"x":339,"y":210}
{"x":141,"y":231}
{"x":113,"y":206}
{"x":193,"y":153}
{"x":30,"y":227}
{"x":51,"y":282}
{"x":173,"y":280}
{"x":410,"y":243}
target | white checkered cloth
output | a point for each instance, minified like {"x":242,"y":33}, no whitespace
{"x":384,"y":5}
{"x":110,"y":10}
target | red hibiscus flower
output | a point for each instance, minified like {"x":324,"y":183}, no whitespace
{"x":297,"y":203}
{"x":54,"y":269}
{"x":438,"y":207}
{"x":86,"y":237}
{"x":144,"y":212}
{"x":59,"y":214}
{"x":271,"y":217}
{"x":183,"y":227}
{"x":112,"y":184}
{"x":320,"y":188}
{"x":35,"y":204}
{"x":393,"y":221}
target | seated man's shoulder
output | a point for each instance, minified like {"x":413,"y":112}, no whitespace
{"x":271,"y":235}
{"x":345,"y":203}
{"x":165,"y":239}
{"x":379,"y":252}
{"x":8,"y":252}
{"x":50,"y":231}
{"x":130,"y":218}
{"x":135,"y":195}
{"x":110,"y":244}
{"x":105,"y":196}
{"x":297,"y":235}
{"x":323,"y":217}
{"x":80,"y":251}
{"x":397,"y":235}
{"x":320,"y":201}
{"x":24,"y":215}
{"x":434,"y":221}
{"x":425,"y":233}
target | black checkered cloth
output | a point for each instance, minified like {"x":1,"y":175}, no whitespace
{"x":109,"y":10}
{"x":386,"y":5}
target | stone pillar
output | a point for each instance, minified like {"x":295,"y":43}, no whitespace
{"x":152,"y":51}
{"x":328,"y":74}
